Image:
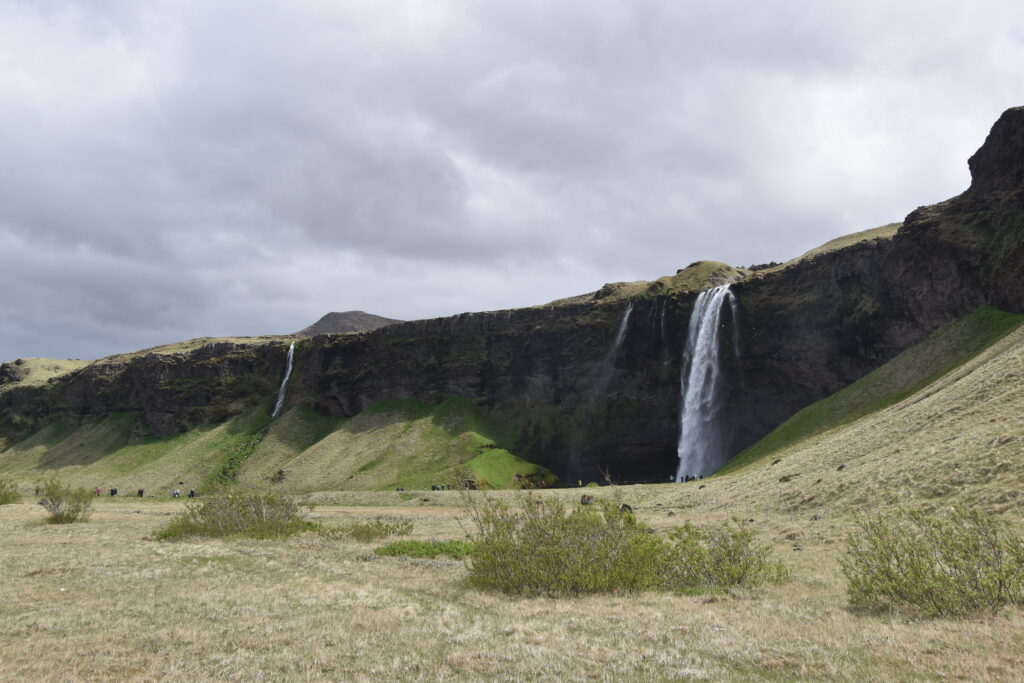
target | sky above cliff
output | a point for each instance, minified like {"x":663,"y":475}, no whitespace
{"x":181,"y":169}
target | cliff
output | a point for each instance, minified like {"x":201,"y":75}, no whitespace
{"x":806,"y":329}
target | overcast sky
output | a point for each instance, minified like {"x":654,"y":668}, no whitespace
{"x":174,"y":169}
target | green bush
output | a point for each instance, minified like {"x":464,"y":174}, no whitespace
{"x":236,"y":512}
{"x":9,"y":492}
{"x":379,"y":528}
{"x":453,"y":548}
{"x":955,"y":565}
{"x":717,"y":557}
{"x":65,"y":505}
{"x":541,"y":549}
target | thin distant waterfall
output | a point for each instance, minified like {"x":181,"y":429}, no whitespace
{"x":595,"y":395}
{"x":284,"y":382}
{"x":701,"y":449}
{"x":620,"y":334}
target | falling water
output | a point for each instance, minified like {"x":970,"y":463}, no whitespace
{"x":620,"y":335}
{"x":284,"y":382}
{"x":701,"y":448}
{"x":597,"y":392}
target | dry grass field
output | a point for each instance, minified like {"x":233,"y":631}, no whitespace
{"x":101,"y":600}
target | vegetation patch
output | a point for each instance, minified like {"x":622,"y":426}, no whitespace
{"x":540,"y":548}
{"x":63,"y":503}
{"x":954,"y":565}
{"x":457,"y":549}
{"x":9,"y":492}
{"x":235,"y":512}
{"x":906,"y":374}
{"x":379,"y":528}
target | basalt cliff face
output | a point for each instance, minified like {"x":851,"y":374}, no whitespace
{"x":805,"y":329}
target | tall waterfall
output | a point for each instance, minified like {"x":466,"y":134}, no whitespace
{"x":701,"y":448}
{"x":284,"y":382}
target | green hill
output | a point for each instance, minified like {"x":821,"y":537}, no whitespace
{"x":406,"y":443}
{"x":906,"y":374}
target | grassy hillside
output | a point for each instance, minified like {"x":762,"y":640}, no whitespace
{"x":912,"y":370}
{"x":38,"y":371}
{"x":408,"y":444}
{"x":397,"y":443}
{"x":105,"y":453}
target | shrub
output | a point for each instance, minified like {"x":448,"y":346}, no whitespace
{"x":65,"y":505}
{"x":453,"y":548}
{"x":9,"y":492}
{"x":716,"y":557}
{"x":235,"y":512}
{"x":539,"y":549}
{"x":939,"y":566}
{"x":379,"y":528}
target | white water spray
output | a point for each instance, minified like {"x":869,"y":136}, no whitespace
{"x":284,"y":383}
{"x":621,"y":334}
{"x":701,"y":448}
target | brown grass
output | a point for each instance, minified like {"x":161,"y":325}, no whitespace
{"x":39,"y":371}
{"x":99,"y":600}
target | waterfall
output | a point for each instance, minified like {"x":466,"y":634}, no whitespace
{"x":701,"y":448}
{"x":594,"y":396}
{"x":284,"y":382}
{"x":620,"y":335}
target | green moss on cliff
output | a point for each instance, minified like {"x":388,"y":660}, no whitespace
{"x":404,"y":443}
{"x":903,"y":376}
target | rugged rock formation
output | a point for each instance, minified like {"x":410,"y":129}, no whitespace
{"x":807,"y":328}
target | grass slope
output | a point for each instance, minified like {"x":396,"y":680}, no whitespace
{"x":39,"y":371}
{"x":395,"y":443}
{"x":401,"y":443}
{"x":105,"y":453}
{"x":909,"y":372}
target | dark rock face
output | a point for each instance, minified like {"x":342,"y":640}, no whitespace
{"x":805,"y":331}
{"x":998,"y":166}
{"x":171,"y":392}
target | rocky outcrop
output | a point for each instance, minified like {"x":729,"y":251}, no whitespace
{"x":170,"y":392}
{"x":805,"y":331}
{"x":998,"y":165}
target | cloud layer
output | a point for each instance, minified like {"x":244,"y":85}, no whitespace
{"x":178,"y":169}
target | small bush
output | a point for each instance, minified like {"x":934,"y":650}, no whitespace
{"x":65,"y":505}
{"x":540,"y":549}
{"x":9,"y":492}
{"x":939,"y":566}
{"x":717,"y":557}
{"x":452,"y":548}
{"x":382,"y":527}
{"x":234,"y":512}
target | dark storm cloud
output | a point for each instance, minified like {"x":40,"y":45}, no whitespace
{"x":178,"y":169}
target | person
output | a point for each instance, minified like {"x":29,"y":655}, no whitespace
{"x":192,"y":493}
{"x":175,"y":493}
{"x":98,"y":492}
{"x":140,"y":493}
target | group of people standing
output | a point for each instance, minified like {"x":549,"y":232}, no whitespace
{"x":176,"y":493}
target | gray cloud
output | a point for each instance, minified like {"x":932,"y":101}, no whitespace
{"x":183,"y":169}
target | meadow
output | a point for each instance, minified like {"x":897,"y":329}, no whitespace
{"x":101,"y":599}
